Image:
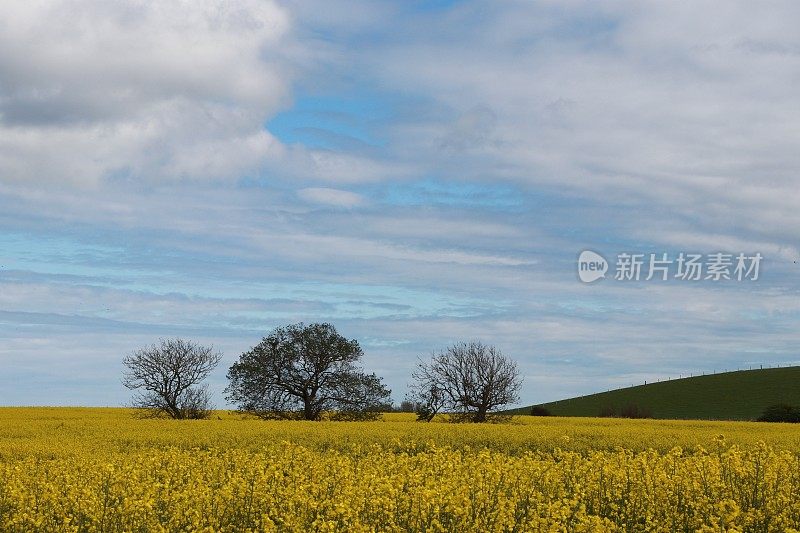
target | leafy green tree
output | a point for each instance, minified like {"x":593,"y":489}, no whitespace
{"x":305,"y":372}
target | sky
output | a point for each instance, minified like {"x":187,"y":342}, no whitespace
{"x":415,"y":173}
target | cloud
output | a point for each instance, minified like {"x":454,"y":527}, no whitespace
{"x":431,"y":177}
{"x":158,"y":90}
{"x":626,"y":101}
{"x":332,"y":197}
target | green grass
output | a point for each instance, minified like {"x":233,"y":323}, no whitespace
{"x":739,"y":395}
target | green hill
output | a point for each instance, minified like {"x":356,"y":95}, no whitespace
{"x":739,"y":395}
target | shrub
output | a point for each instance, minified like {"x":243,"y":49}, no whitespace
{"x":540,"y":410}
{"x":780,"y":412}
{"x":628,"y":411}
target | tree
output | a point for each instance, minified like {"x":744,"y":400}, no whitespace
{"x":468,"y":379}
{"x":304,"y":371}
{"x":428,"y":399}
{"x":168,"y":376}
{"x":407,"y":406}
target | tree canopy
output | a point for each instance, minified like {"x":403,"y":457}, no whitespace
{"x":305,"y":371}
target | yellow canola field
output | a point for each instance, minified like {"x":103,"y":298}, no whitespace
{"x":102,"y":470}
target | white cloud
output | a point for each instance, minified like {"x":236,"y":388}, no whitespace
{"x":333,"y":197}
{"x":646,"y":104}
{"x":158,"y":89}
{"x":613,"y":123}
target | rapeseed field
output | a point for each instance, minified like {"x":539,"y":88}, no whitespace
{"x":67,"y":469}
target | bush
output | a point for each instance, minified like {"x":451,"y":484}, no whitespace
{"x":465,"y":418}
{"x":540,"y":410}
{"x":424,"y":413}
{"x":629,"y":411}
{"x":780,"y":412}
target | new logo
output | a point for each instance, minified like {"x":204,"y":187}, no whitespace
{"x":591,"y":266}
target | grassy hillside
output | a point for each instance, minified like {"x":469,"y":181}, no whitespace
{"x":740,"y":395}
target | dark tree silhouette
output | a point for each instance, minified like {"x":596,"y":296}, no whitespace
{"x":407,"y":406}
{"x":780,"y":413}
{"x":167,"y":379}
{"x":468,"y":379}
{"x":306,"y":371}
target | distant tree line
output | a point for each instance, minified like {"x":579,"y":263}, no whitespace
{"x":630,"y":410}
{"x":311,"y":372}
{"x":780,"y":412}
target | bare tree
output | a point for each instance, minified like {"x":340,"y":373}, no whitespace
{"x":469,"y":379}
{"x":301,"y":371}
{"x":167,"y":379}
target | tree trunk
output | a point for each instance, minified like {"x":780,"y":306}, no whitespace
{"x":309,"y":413}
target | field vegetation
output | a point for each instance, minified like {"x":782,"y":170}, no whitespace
{"x":81,"y":469}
